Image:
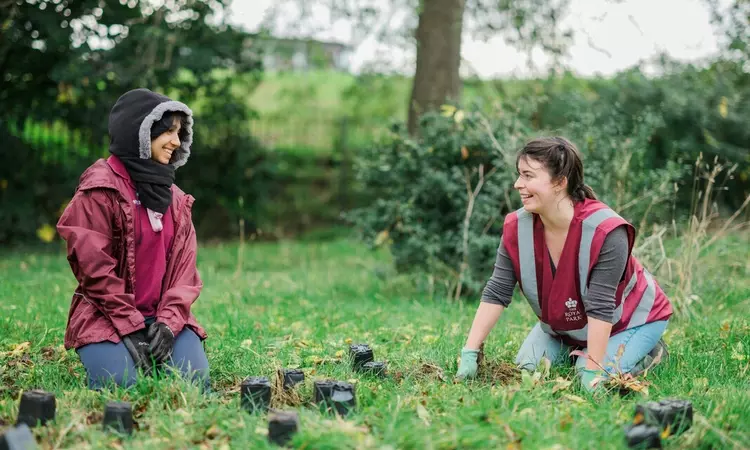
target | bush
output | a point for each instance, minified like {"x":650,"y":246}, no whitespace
{"x":440,"y":199}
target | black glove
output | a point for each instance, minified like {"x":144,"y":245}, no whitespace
{"x":137,"y":344}
{"x":162,"y":341}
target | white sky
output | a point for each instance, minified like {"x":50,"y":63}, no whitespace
{"x":629,"y":31}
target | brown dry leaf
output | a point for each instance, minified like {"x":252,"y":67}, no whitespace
{"x":48,"y":353}
{"x":464,"y":153}
{"x":423,"y":414}
{"x":346,"y":427}
{"x":565,"y":422}
{"x":561,"y":384}
{"x":574,"y":398}
{"x":546,"y":365}
{"x":431,"y":370}
{"x":17,"y":350}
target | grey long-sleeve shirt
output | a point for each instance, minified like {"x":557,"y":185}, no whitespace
{"x":605,"y":276}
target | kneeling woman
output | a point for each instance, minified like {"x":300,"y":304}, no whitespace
{"x":132,"y":247}
{"x":572,"y":257}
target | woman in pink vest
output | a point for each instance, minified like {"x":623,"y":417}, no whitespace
{"x":132,"y":247}
{"x":571,"y":256}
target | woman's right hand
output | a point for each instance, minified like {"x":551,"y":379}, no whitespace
{"x":468,"y":367}
{"x":137,"y":344}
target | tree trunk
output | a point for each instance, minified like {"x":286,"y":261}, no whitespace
{"x":438,"y":57}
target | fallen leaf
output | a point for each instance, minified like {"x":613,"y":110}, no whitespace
{"x":340,"y":354}
{"x":561,"y":384}
{"x":348,"y":341}
{"x":429,"y":339}
{"x":17,"y":349}
{"x":574,"y":398}
{"x":464,"y":153}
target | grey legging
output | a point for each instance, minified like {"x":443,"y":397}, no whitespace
{"x":106,"y":362}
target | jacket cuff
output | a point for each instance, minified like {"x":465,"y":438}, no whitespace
{"x":172,"y":320}
{"x":127,"y":325}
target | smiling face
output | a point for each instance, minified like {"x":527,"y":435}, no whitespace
{"x":164,"y":145}
{"x":539,"y":193}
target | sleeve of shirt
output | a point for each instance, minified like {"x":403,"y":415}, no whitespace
{"x":499,"y":288}
{"x":606,"y":275}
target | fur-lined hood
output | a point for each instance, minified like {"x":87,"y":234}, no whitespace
{"x":134,"y":114}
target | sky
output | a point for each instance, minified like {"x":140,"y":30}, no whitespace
{"x":623,"y":33}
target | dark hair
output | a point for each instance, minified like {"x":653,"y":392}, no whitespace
{"x":166,"y":122}
{"x":561,"y":159}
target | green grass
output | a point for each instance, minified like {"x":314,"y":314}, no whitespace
{"x":296,"y":304}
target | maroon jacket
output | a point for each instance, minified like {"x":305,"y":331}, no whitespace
{"x":98,"y":227}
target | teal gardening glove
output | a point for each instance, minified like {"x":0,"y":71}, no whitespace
{"x":593,"y":379}
{"x":468,"y":366}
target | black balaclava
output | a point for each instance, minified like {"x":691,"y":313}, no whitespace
{"x":130,"y":123}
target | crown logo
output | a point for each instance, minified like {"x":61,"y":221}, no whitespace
{"x":571,"y":304}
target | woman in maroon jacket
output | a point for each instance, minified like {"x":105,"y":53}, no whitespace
{"x":132,"y":247}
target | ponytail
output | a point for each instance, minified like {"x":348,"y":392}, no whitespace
{"x":583,"y":192}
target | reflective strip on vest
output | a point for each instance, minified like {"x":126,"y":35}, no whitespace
{"x":590,"y":224}
{"x":580,"y":334}
{"x":527,"y":259}
{"x":628,"y":289}
{"x":547,"y":329}
{"x":640,"y":315}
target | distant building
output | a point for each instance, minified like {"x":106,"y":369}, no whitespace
{"x":285,"y":54}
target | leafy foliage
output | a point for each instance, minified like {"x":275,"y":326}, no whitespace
{"x":79,"y":58}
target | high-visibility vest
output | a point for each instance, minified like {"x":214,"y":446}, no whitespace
{"x":557,"y":301}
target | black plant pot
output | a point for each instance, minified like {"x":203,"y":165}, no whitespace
{"x":36,"y":408}
{"x":376,"y":368}
{"x":343,"y":398}
{"x":642,"y":436}
{"x":672,"y":415}
{"x":360,"y":354}
{"x":293,"y":377}
{"x":282,"y":426}
{"x":255,"y":394}
{"x":118,"y":416}
{"x":18,"y":438}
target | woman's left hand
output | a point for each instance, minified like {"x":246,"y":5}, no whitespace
{"x":162,"y":341}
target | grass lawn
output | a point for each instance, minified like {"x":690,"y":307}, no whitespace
{"x":298,"y":304}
